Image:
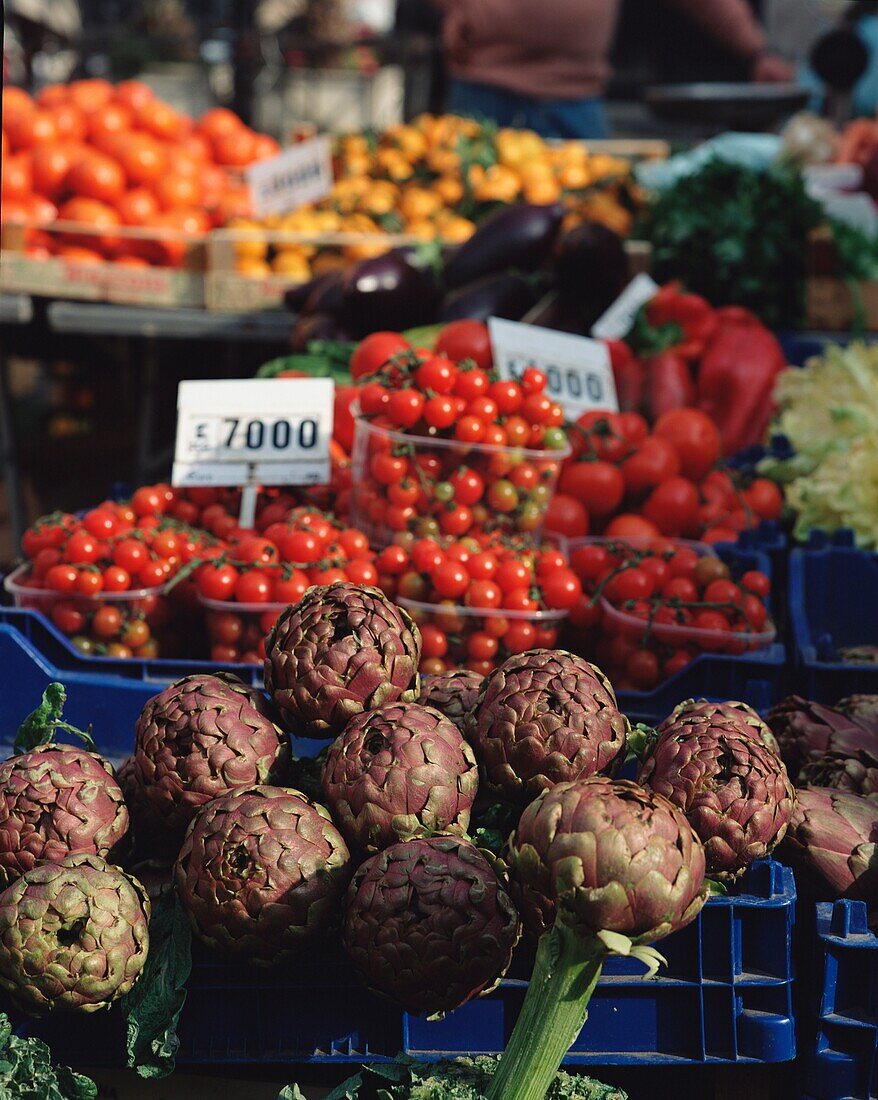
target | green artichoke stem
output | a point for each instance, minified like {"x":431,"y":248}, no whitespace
{"x":567,"y":968}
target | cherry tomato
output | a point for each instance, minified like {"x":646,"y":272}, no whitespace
{"x":754,"y":612}
{"x":672,"y":506}
{"x":405,"y":408}
{"x":711,"y":620}
{"x":360,"y":571}
{"x":765,"y":498}
{"x":375,"y":351}
{"x":68,"y":617}
{"x":434,"y":642}
{"x":107,"y":622}
{"x":533,"y":380}
{"x":598,"y":486}
{"x":757,"y":583}
{"x":392,"y":560}
{"x":456,"y":522}
{"x":468,"y":485}
{"x":710,"y":569}
{"x":135,"y":633}
{"x":653,"y":462}
{"x":82,"y":548}
{"x":438,"y":373}
{"x":148,"y":501}
{"x":450,"y":580}
{"x":461,"y":340}
{"x":217,"y":582}
{"x":471,"y":384}
{"x":642,"y":669}
{"x":512,"y":574}
{"x":629,"y":584}
{"x":507,"y":396}
{"x":89,"y":582}
{"x":561,"y":589}
{"x":439,"y":412}
{"x":694,"y":437}
{"x":101,"y":523}
{"x":589,"y":562}
{"x":252,"y":549}
{"x":153,"y":573}
{"x":482,"y":646}
{"x":680,"y":588}
{"x":302,"y":547}
{"x":519,"y":637}
{"x":130,"y":554}
{"x":62,"y":578}
{"x":631,"y":527}
{"x":566,"y":516}
{"x":289,"y":588}
{"x":722,"y":591}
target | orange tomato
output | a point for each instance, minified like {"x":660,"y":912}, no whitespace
{"x":170,"y":251}
{"x":265,"y":147}
{"x":95,"y":176}
{"x":16,"y":176}
{"x":134,"y":94}
{"x":235,"y":203}
{"x":4,"y":145}
{"x":92,"y":213}
{"x":14,"y":210}
{"x":37,"y":252}
{"x":162,"y":121}
{"x":80,"y":254}
{"x":49,"y":167}
{"x":69,"y":122}
{"x":196,"y":145}
{"x":182,"y":163}
{"x":90,"y":94}
{"x":108,"y":121}
{"x":235,"y":149}
{"x":40,"y":209}
{"x":173,"y":191}
{"x":131,"y":261}
{"x":218,"y":121}
{"x":18,"y":115}
{"x":53,"y":95}
{"x":214,"y":184}
{"x":142,"y":158}
{"x":137,"y":206}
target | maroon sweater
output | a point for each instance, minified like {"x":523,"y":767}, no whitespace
{"x":557,"y":49}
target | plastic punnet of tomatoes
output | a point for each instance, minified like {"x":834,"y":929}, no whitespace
{"x":244,"y":590}
{"x":650,"y":606}
{"x":479,"y":599}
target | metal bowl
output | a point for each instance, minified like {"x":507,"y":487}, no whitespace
{"x":737,"y":106}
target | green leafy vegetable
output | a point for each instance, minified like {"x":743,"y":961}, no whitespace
{"x":153,"y":1006}
{"x":738,"y":236}
{"x":27,"y":1073}
{"x":41,"y":725}
{"x":462,"y":1079}
{"x":314,"y":365}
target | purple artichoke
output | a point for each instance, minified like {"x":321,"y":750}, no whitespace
{"x":341,"y":650}
{"x":734,"y":791}
{"x":399,"y":772}
{"x":54,"y":800}
{"x":262,"y":872}
{"x":200,"y":738}
{"x":606,"y":855}
{"x":731,"y":709}
{"x":833,"y":838}
{"x":429,"y":924}
{"x":73,"y":935}
{"x":453,"y":694}
{"x":545,"y":717}
{"x":863,"y":708}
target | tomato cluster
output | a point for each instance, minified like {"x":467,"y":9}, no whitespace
{"x":624,"y":480}
{"x":257,"y":575}
{"x":479,"y":599}
{"x":444,"y":448}
{"x":650,"y":606}
{"x":107,"y":157}
{"x":98,"y":577}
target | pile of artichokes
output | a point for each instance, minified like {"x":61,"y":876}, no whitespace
{"x":384,"y":861}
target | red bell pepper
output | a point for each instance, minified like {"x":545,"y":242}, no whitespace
{"x":690,"y":313}
{"x":736,"y":378}
{"x":669,"y":384}
{"x":628,"y":374}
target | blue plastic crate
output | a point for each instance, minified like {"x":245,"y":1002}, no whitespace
{"x":839,"y":1062}
{"x":757,"y":678}
{"x":725,"y":997}
{"x":833,"y":604}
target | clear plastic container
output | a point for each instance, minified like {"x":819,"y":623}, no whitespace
{"x":517,"y":485}
{"x":236,"y":631}
{"x":513,"y":632}
{"x":104,"y":624}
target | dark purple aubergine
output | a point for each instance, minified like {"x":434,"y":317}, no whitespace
{"x":558,"y":313}
{"x":296,"y":297}
{"x":508,"y":295}
{"x":387,"y":292}
{"x":591,"y":266}
{"x":327,"y":296}
{"x":514,"y":237}
{"x":317,"y":326}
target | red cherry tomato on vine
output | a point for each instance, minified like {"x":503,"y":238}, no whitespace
{"x":371,"y":354}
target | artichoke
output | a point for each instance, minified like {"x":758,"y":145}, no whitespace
{"x":545,"y":717}
{"x":429,"y":924}
{"x":341,"y":650}
{"x":599,"y":868}
{"x":399,"y":772}
{"x":829,"y":746}
{"x":73,"y":935}
{"x":734,"y":791}
{"x":453,"y":694}
{"x":606,"y":855}
{"x":833,"y":838}
{"x":54,"y":800}
{"x":261,"y":872}
{"x":863,"y":708}
{"x":200,"y":738}
{"x":732,"y":709}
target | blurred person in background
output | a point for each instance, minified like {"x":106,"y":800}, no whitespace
{"x":542,"y":64}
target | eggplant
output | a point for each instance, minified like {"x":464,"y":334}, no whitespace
{"x":557,"y":313}
{"x":317,"y":326}
{"x":387,"y":292}
{"x":514,"y":237}
{"x":296,"y":297}
{"x":326,"y":297}
{"x":509,"y":295}
{"x":591,"y":266}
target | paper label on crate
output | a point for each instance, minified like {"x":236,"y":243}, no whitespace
{"x":258,"y":431}
{"x":578,"y":372}
{"x":298,"y":175}
{"x":616,"y":323}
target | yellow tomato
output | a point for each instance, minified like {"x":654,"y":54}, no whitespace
{"x":365,"y":250}
{"x":381,"y":198}
{"x":542,"y":192}
{"x":455,"y":229}
{"x":408,"y":140}
{"x":418,"y":202}
{"x":574,"y":177}
{"x":499,"y":184}
{"x":293,"y":264}
{"x":254,"y":248}
{"x":422,"y":229}
{"x":394,"y":164}
{"x":252,"y":267}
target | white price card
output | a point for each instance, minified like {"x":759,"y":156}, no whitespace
{"x":616,"y":323}
{"x":579,"y":375}
{"x":258,"y":431}
{"x":298,"y":175}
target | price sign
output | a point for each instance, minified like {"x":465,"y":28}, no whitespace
{"x":254,"y":432}
{"x":578,"y":372}
{"x":298,"y":175}
{"x":616,"y":323}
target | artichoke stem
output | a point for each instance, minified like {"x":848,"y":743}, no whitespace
{"x":567,"y":968}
